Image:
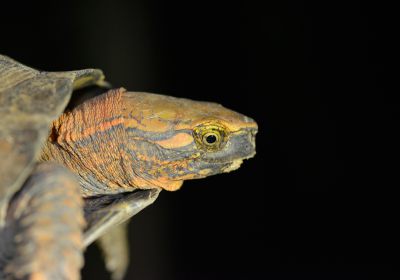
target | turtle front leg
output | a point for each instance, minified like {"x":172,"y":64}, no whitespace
{"x":42,"y":238}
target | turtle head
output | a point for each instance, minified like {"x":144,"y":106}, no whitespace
{"x":175,"y":139}
{"x":120,"y":141}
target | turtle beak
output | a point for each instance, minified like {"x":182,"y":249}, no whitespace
{"x":246,"y":143}
{"x":253,"y":132}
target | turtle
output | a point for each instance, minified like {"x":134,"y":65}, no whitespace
{"x":72,"y":175}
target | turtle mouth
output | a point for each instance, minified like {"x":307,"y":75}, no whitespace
{"x":235,"y":164}
{"x":240,"y":146}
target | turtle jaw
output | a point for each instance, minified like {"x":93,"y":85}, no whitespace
{"x":236,"y":164}
{"x":233,"y":166}
{"x":239,"y":147}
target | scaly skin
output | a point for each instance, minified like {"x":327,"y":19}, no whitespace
{"x":116,"y":144}
{"x":43,"y":235}
{"x":121,"y":141}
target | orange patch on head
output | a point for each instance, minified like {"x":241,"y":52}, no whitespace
{"x":170,"y":185}
{"x":101,"y":127}
{"x":163,"y":183}
{"x":159,"y":113}
{"x":178,"y":140}
{"x":37,"y":275}
{"x":150,"y":124}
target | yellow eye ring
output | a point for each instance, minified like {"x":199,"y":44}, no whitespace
{"x":209,"y":136}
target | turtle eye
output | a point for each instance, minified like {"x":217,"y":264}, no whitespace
{"x":209,"y":137}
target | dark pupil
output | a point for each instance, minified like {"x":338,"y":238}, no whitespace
{"x":211,"y":139}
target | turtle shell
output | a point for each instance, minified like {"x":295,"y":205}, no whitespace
{"x":29,"y":101}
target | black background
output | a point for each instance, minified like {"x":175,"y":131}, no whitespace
{"x":317,"y":201}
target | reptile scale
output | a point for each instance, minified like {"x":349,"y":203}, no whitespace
{"x":70,"y":177}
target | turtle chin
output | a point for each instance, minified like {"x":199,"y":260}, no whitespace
{"x":233,"y":166}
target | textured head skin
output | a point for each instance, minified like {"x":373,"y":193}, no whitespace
{"x":121,"y":141}
{"x":171,"y":136}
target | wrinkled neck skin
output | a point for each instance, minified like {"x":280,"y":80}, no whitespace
{"x":91,"y":140}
